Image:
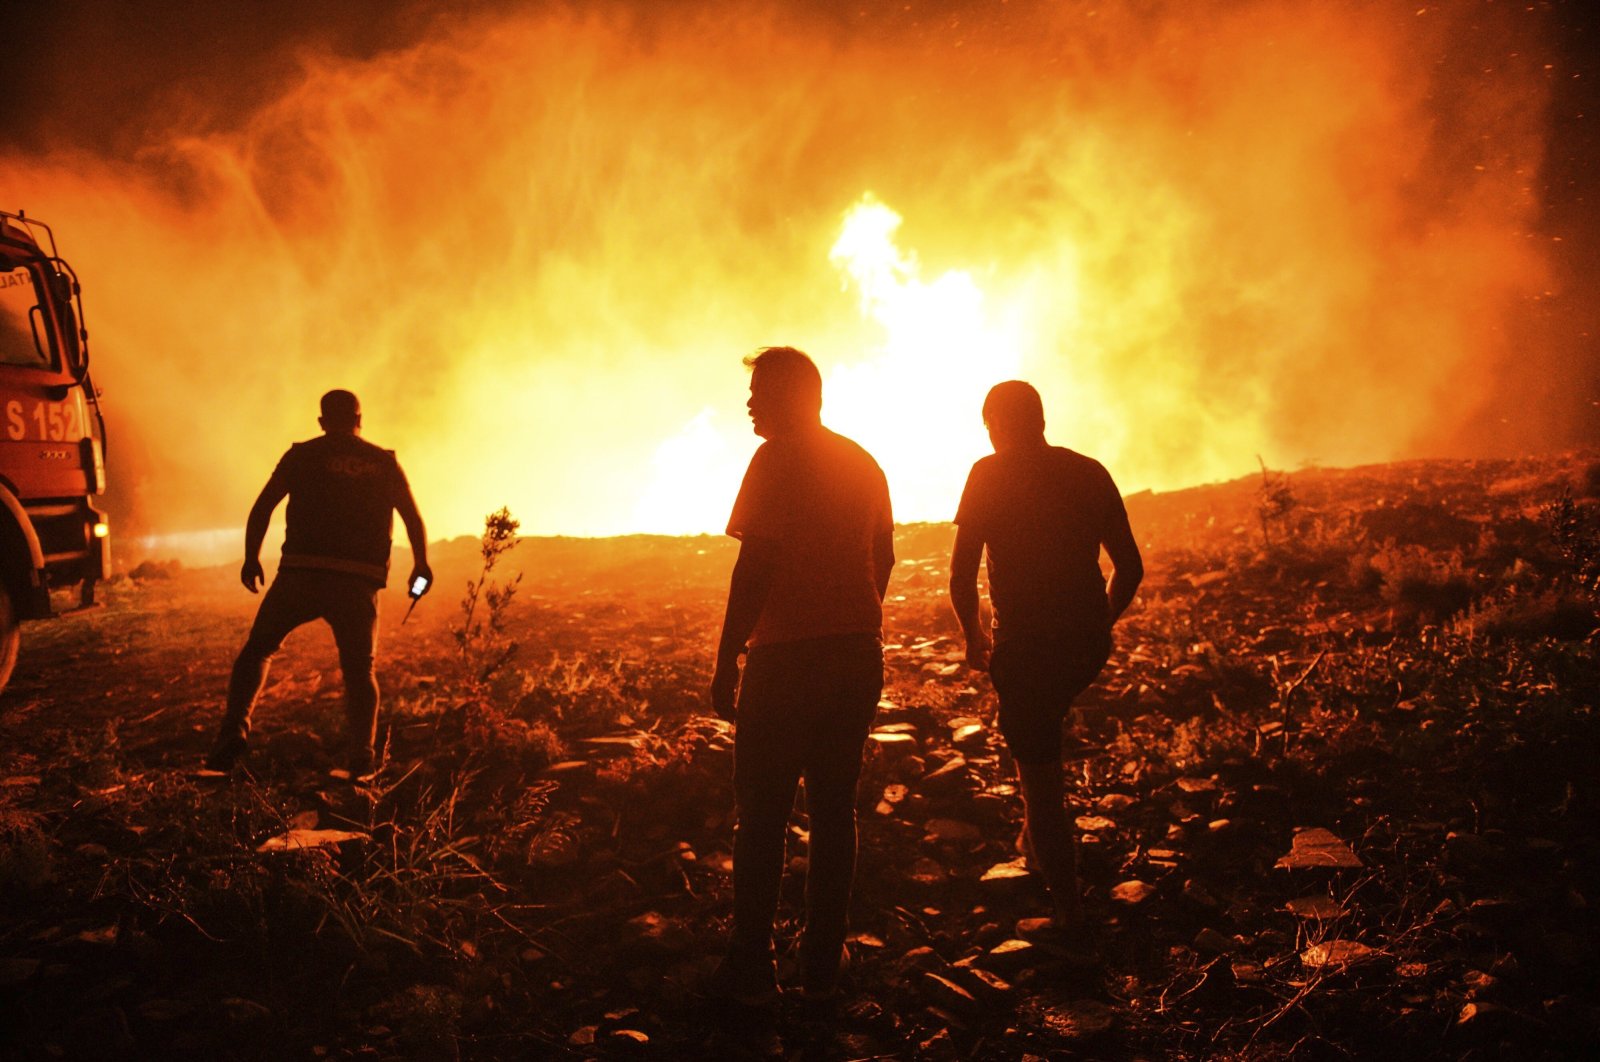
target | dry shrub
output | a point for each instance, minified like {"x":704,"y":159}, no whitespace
{"x":1552,"y":612}
{"x":1420,"y":584}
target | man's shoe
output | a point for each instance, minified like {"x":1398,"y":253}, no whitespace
{"x":226,"y":754}
{"x":821,"y":987}
{"x":747,"y":981}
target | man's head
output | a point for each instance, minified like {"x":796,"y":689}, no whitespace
{"x":1014,"y":415}
{"x":785,"y":391}
{"x":341,"y":412}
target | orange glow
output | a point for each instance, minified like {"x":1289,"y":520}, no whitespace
{"x":537,"y":244}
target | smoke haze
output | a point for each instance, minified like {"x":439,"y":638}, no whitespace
{"x":537,"y":240}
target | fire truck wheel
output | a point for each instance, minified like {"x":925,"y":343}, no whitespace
{"x":10,"y":636}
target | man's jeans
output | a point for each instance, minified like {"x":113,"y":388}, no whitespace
{"x":350,"y":606}
{"x":804,"y":710}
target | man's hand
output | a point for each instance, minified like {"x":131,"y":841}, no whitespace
{"x":420,"y":570}
{"x":252,"y":576}
{"x":980,"y":647}
{"x":725,"y":688}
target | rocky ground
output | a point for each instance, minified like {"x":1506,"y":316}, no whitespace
{"x":1337,"y":795}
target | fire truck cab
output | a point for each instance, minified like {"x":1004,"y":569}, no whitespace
{"x":52,"y":438}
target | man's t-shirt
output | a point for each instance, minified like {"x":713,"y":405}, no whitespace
{"x":342,"y":495}
{"x":1042,"y":513}
{"x":825,"y":501}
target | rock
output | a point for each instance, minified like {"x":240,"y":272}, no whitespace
{"x":1080,"y":1019}
{"x":972,"y":732}
{"x":952,"y":831}
{"x":892,"y":742}
{"x":1093,"y":823}
{"x":1113,"y":802}
{"x":1132,"y":892}
{"x":1007,"y":873}
{"x":1198,"y":894}
{"x":1317,"y":847}
{"x":1197,"y":785}
{"x":1335,"y":954}
{"x":1314,"y":907}
{"x":1009,"y":956}
{"x":923,"y":958}
{"x":1209,"y":942}
{"x":989,"y":987}
{"x":657,"y":932}
{"x":938,"y":1048}
{"x":943,"y":992}
{"x":298,"y":840}
{"x":951,"y":773}
{"x":927,"y":871}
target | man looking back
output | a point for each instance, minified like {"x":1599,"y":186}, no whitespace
{"x":1042,"y":513}
{"x":806,"y":599}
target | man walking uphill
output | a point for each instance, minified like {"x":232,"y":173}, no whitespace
{"x":343,"y":493}
{"x":806,"y":598}
{"x":1042,"y":512}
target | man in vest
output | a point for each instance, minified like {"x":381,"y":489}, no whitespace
{"x":1042,"y":513}
{"x":343,"y":492}
{"x":805,"y":607}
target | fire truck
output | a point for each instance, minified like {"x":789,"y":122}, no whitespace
{"x":53,"y":540}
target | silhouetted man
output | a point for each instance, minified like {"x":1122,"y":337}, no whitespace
{"x":1042,"y":513}
{"x":343,"y":493}
{"x":816,"y":546}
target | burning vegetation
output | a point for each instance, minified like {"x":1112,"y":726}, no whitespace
{"x":1335,"y":795}
{"x":1204,"y":230}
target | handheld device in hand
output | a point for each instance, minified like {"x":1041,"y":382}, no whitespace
{"x":419,"y":586}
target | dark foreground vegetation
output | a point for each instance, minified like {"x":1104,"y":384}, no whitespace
{"x":1337,"y":794}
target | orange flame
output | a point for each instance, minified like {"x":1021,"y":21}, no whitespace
{"x":537,"y":245}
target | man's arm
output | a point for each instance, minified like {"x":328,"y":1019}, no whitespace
{"x":883,"y":546}
{"x":417,"y":535}
{"x":255,"y":531}
{"x":747,"y":595}
{"x":1127,"y":567}
{"x":964,"y":561}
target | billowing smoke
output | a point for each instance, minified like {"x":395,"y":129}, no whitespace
{"x":537,"y":242}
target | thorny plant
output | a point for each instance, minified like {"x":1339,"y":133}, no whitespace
{"x":1274,"y":499}
{"x":1576,"y":531}
{"x":482,"y":644}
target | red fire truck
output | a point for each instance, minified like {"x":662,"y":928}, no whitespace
{"x":52,"y":438}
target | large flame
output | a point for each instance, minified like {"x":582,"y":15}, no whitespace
{"x":538,"y":244}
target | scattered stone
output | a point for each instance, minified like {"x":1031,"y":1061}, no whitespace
{"x":945,"y":993}
{"x":1132,"y":892}
{"x":952,"y":831}
{"x":943,"y":777}
{"x":1209,"y":942}
{"x":299,"y":840}
{"x":1317,"y":847}
{"x":1009,"y":955}
{"x":1322,"y":908}
{"x":971,"y":732}
{"x":1196,"y":893}
{"x":1009,"y":872}
{"x":1336,"y":953}
{"x":927,"y":871}
{"x":1080,"y":1019}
